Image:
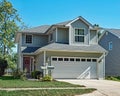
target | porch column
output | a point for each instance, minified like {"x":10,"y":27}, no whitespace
{"x":44,"y":62}
{"x":101,"y":67}
{"x":21,"y":62}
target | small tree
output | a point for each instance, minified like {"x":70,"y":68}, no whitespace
{"x":3,"y":66}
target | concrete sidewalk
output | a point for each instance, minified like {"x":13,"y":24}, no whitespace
{"x":13,"y":89}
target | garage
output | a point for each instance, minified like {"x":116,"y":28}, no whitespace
{"x":74,"y":67}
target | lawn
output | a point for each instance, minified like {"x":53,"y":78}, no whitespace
{"x":60,"y":92}
{"x":10,"y":82}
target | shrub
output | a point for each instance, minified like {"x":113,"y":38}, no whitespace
{"x":47,"y":78}
{"x":17,"y":74}
{"x":3,"y":66}
{"x":36,"y":74}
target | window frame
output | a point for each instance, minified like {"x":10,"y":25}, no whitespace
{"x":26,"y":38}
{"x":79,"y":35}
{"x":51,"y":37}
{"x":110,"y":45}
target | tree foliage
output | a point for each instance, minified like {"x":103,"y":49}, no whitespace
{"x":9,"y":21}
{"x":8,"y":27}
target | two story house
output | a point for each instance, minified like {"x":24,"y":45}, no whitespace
{"x":110,"y":40}
{"x":71,"y":47}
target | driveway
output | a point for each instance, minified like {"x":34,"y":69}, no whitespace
{"x":104,"y":87}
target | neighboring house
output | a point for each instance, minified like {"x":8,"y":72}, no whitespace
{"x":111,"y":42}
{"x":71,"y":47}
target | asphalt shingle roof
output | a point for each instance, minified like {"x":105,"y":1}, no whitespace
{"x":30,"y":49}
{"x":116,"y":32}
{"x":66,"y":47}
{"x":39,"y":29}
{"x":64,"y":23}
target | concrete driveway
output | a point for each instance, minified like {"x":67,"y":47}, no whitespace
{"x":104,"y":87}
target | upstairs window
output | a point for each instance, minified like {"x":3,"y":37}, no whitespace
{"x":51,"y":37}
{"x":28,"y":38}
{"x":110,"y":45}
{"x":79,"y":35}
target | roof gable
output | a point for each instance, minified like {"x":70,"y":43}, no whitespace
{"x":82,"y":19}
{"x":115,"y":32}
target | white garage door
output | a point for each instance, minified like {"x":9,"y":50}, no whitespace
{"x":69,"y":67}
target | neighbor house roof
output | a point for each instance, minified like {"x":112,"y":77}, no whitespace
{"x":116,"y":32}
{"x":66,"y":47}
{"x":30,"y":49}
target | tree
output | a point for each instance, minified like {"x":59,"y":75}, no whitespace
{"x":8,"y":27}
{"x":9,"y":20}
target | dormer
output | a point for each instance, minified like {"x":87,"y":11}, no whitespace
{"x":81,"y":32}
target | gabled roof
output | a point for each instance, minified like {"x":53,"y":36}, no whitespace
{"x":64,"y":23}
{"x":44,"y":28}
{"x":67,"y":47}
{"x":82,"y":19}
{"x":39,"y":29}
{"x":116,"y":32}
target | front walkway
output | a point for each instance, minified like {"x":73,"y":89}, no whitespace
{"x":13,"y":89}
{"x":104,"y":87}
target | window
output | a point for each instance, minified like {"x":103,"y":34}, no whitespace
{"x":66,"y":59}
{"x":28,"y":38}
{"x":77,"y":59}
{"x":71,"y":59}
{"x":79,"y":35}
{"x":60,"y":59}
{"x":88,"y":60}
{"x":110,"y":45}
{"x":94,"y":60}
{"x":54,"y":59}
{"x":51,"y":37}
{"x":83,"y":60}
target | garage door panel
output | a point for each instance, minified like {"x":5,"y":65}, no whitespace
{"x":82,"y":70}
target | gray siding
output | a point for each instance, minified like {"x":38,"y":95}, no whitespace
{"x":62,"y":35}
{"x":112,"y":62}
{"x":93,"y":37}
{"x":79,"y":24}
{"x":38,"y":40}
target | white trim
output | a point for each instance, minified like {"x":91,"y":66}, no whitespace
{"x":110,"y":45}
{"x":56,"y":34}
{"x":70,"y":30}
{"x":82,"y":19}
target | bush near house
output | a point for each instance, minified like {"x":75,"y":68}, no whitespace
{"x":3,"y":66}
{"x":36,"y":74}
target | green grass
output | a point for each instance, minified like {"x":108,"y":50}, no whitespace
{"x":10,"y":82}
{"x":60,"y":92}
{"x":114,"y":78}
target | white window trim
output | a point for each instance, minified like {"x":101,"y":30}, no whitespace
{"x":25,"y":39}
{"x":79,"y":35}
{"x":110,"y":45}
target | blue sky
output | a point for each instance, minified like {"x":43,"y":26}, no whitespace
{"x":106,"y":13}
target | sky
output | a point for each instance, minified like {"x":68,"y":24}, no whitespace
{"x":106,"y":13}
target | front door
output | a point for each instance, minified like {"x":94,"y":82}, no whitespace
{"x":26,"y":64}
